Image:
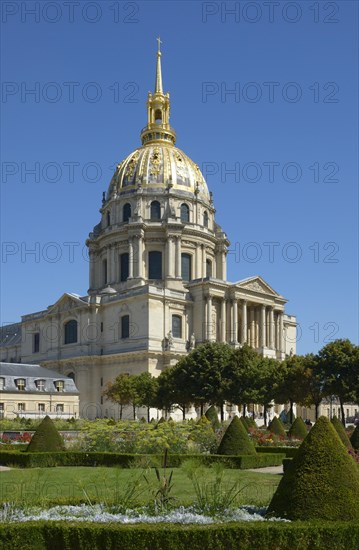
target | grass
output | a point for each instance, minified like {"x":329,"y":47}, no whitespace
{"x":45,"y":486}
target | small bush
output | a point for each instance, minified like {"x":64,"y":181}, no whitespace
{"x":354,"y":438}
{"x":212,"y":416}
{"x":339,"y":428}
{"x":46,"y":438}
{"x":236,"y":440}
{"x":276,"y":427}
{"x":298,"y":429}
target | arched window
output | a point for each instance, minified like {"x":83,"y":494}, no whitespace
{"x":155,"y":210}
{"x":124,"y":266}
{"x":208,"y":268}
{"x":125,"y":326}
{"x":186,"y":267}
{"x":176,"y":326}
{"x":70,"y":329}
{"x":205,"y":219}
{"x":108,"y":218}
{"x":155,"y":264}
{"x":104,"y":271}
{"x":184,"y":213}
{"x":126,"y":213}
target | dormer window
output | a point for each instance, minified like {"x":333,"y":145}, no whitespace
{"x":40,"y":385}
{"x":59,"y":385}
{"x":20,"y":384}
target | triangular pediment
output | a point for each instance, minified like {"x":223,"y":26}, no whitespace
{"x":67,"y":302}
{"x":257,"y":284}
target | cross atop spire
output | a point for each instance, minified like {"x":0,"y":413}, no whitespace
{"x":158,"y":84}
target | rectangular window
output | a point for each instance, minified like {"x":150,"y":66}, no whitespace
{"x":41,"y":407}
{"x":155,"y":264}
{"x":104,"y":272}
{"x":40,"y":385}
{"x":186,"y":267}
{"x":2,"y":383}
{"x":125,"y":326}
{"x":59,"y":408}
{"x":36,"y":342}
{"x":59,"y":385}
{"x":20,"y":384}
{"x":2,"y":410}
{"x":21,"y":407}
{"x":124,"y":267}
{"x":176,"y":326}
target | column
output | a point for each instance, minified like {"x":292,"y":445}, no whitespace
{"x":244,"y":322}
{"x":224,"y":265}
{"x":130,"y":258}
{"x":198,"y":262}
{"x":223,"y":320}
{"x":281,"y":331}
{"x":271,"y":328}
{"x":209,"y":319}
{"x":140,"y":256}
{"x":169,"y":246}
{"x":252,"y":341}
{"x":92,"y":269}
{"x":235,"y":321}
{"x":114,"y":278}
{"x":262,"y":329}
{"x":109,"y":265}
{"x":178,"y":257}
{"x":203,"y":261}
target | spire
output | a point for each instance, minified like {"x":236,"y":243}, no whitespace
{"x":158,"y":85}
{"x":158,"y":111}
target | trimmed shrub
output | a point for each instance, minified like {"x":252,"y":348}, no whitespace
{"x":70,"y":458}
{"x":321,"y":482}
{"x":244,"y":423}
{"x":212,"y":416}
{"x":46,"y":438}
{"x":339,"y":428}
{"x":42,"y":535}
{"x":354,"y":438}
{"x":250,"y":422}
{"x":276,"y":427}
{"x":289,"y":452}
{"x":298,"y":429}
{"x":235,"y":440}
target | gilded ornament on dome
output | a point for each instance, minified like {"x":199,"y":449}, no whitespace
{"x":155,"y":162}
{"x":131,"y":167}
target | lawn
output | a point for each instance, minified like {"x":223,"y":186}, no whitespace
{"x":44,"y":486}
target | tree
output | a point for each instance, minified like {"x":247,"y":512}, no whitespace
{"x":173,"y":388}
{"x":314,"y":382}
{"x":121,"y":391}
{"x":146,"y":387}
{"x":292,"y":387}
{"x":339,"y":363}
{"x":239,"y":377}
{"x":267,"y":381}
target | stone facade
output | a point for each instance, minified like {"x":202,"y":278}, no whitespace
{"x":157,"y":283}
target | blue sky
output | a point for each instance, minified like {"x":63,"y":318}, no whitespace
{"x":263,"y":98}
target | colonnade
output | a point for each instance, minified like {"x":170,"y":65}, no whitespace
{"x":239,"y":321}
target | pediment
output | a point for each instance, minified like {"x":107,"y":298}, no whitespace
{"x":257,"y":284}
{"x":67,"y":302}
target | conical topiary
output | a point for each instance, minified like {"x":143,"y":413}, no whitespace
{"x":244,"y":423}
{"x":276,"y":427}
{"x":235,"y":440}
{"x":212,"y":416}
{"x":354,"y":438}
{"x":321,"y":482}
{"x":339,"y":428}
{"x":46,"y":438}
{"x":251,"y":423}
{"x":298,"y":429}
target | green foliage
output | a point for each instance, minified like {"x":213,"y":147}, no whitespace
{"x":288,"y":451}
{"x":276,"y":426}
{"x":236,"y":440}
{"x":339,"y":428}
{"x":298,"y":429}
{"x":42,"y":535}
{"x":244,"y":422}
{"x":212,"y":416}
{"x":354,"y":439}
{"x":46,"y":438}
{"x":321,"y":482}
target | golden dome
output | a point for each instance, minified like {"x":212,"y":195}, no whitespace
{"x":158,"y":163}
{"x":156,"y":166}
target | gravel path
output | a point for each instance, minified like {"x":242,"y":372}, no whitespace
{"x":269,"y":470}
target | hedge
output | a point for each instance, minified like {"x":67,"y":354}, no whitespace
{"x":289,"y":452}
{"x":70,"y":458}
{"x":303,"y":535}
